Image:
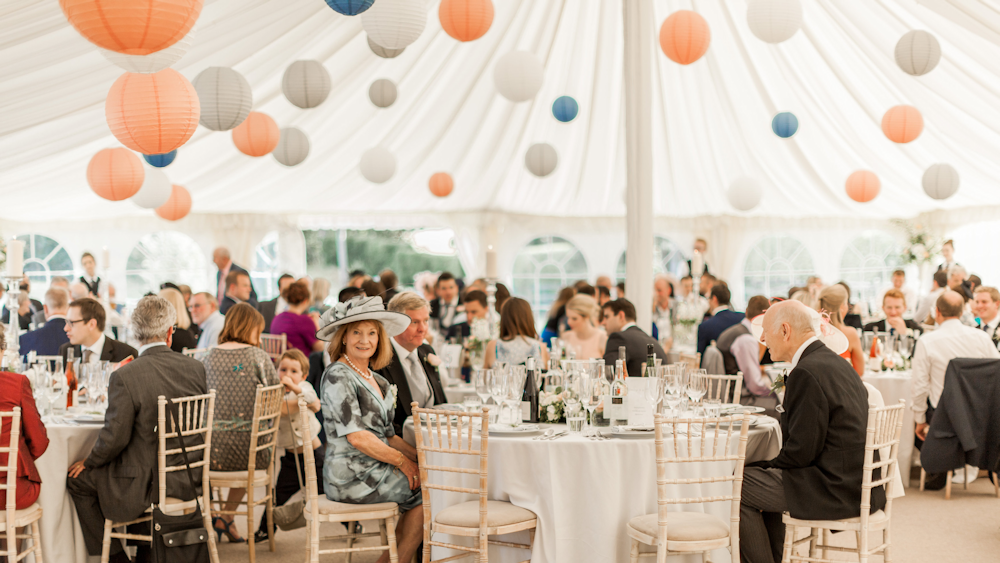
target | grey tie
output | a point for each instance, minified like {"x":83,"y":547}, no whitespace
{"x":87,"y":354}
{"x":422,"y":393}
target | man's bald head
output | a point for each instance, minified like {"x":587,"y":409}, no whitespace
{"x":950,"y":305}
{"x":787,"y":325}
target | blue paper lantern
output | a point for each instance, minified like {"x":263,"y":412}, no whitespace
{"x":160,"y":160}
{"x":565,"y":109}
{"x":785,"y":124}
{"x":350,"y":7}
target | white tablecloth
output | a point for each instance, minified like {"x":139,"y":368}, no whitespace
{"x":584,"y":492}
{"x":896,"y":386}
{"x":458,"y":393}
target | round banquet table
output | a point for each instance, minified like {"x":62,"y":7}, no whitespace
{"x":583,"y":491}
{"x":895,"y":386}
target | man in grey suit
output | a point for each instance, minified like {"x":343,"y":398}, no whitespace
{"x":118,"y":480}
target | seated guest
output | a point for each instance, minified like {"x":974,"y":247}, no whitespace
{"x":185,"y":292}
{"x":46,"y":341}
{"x":620,"y":290}
{"x":818,"y":473}
{"x":320,"y":293}
{"x":986,"y":303}
{"x":117,"y":481}
{"x":958,"y":280}
{"x":85,"y":330}
{"x":349,"y":293}
{"x":501,"y":296}
{"x":603,"y":281}
{"x":475,"y":308}
{"x":445,"y":307}
{"x":833,"y":301}
{"x":366,"y":460}
{"x":582,"y":314}
{"x":79,"y":290}
{"x":238,"y":290}
{"x":518,"y":340}
{"x":722,"y":317}
{"x":223,"y":261}
{"x":204,"y":311}
{"x":852,"y":318}
{"x":295,"y":323}
{"x":619,"y":321}
{"x":705,"y":285}
{"x":909,"y":294}
{"x":741,"y":352}
{"x":663,"y":306}
{"x":894,"y":304}
{"x":278,"y":305}
{"x":234,"y":368}
{"x":57,"y":282}
{"x":15,"y":391}
{"x":184,"y":336}
{"x":319,"y":361}
{"x":585,"y":288}
{"x":974,"y":282}
{"x":390,"y":282}
{"x":926,"y":303}
{"x":373,"y":288}
{"x":556,"y":323}
{"x":26,"y":309}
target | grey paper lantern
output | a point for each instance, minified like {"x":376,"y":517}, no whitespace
{"x":918,"y":52}
{"x":155,"y":191}
{"x":394,"y":24}
{"x":293,"y":147}
{"x":382,"y":93}
{"x":306,"y":84}
{"x":744,"y":193}
{"x":774,"y":21}
{"x":941,"y":181}
{"x":541,"y":159}
{"x":378,"y":165}
{"x":382,"y":51}
{"x":518,"y":76}
{"x":225,"y":98}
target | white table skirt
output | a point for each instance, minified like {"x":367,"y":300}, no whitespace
{"x":584,"y":492}
{"x":896,"y":386}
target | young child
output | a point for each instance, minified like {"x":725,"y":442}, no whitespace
{"x":292,"y":370}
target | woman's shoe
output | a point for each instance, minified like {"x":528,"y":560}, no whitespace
{"x":228,"y":529}
{"x":260,"y":536}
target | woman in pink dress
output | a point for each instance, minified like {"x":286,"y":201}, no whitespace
{"x":584,"y":335}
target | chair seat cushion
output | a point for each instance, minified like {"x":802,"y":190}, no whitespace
{"x":258,"y":476}
{"x":498,"y":513}
{"x":683,"y":526}
{"x":29,"y":514}
{"x":327,"y":506}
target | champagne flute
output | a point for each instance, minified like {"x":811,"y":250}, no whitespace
{"x":654,"y":390}
{"x":515,"y":390}
{"x":498,"y":390}
{"x":696,"y":387}
{"x":481,"y":379}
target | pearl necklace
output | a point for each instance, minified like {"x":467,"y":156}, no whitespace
{"x":350,"y":363}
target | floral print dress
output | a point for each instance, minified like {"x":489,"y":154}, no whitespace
{"x":351,"y":405}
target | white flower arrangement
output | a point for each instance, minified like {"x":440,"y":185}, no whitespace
{"x":393,"y":390}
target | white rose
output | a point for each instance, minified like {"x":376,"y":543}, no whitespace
{"x":551,"y":412}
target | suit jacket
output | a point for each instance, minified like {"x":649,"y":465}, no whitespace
{"x":124,"y":458}
{"x":461,"y":331}
{"x":634,"y":340}
{"x":45,"y":341}
{"x":711,"y":328}
{"x":267,"y":308}
{"x":234,"y":268}
{"x":15,"y":391}
{"x":824,"y":427}
{"x":24,"y":321}
{"x":881,"y":326}
{"x":114,"y":351}
{"x":184,"y":338}
{"x":228,"y":302}
{"x":396,"y":376}
{"x":437,"y":313}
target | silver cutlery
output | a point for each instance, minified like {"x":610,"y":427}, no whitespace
{"x":548,"y":432}
{"x":558,"y":435}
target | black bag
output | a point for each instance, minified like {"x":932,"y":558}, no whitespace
{"x":182,"y":538}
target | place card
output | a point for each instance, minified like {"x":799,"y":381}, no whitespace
{"x":640,"y":410}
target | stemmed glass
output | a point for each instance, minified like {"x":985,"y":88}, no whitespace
{"x":594,"y":390}
{"x":674,"y":384}
{"x":498,"y":390}
{"x":515,"y":377}
{"x":481,"y":379}
{"x":654,"y":389}
{"x":696,"y":387}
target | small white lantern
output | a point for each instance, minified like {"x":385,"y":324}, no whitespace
{"x":541,"y":159}
{"x":293,"y":147}
{"x":155,"y":191}
{"x":941,"y":181}
{"x":377,"y":164}
{"x":744,"y":193}
{"x":153,"y":62}
{"x":382,"y":51}
{"x":394,"y":24}
{"x":518,"y":76}
{"x":918,"y":52}
{"x":306,"y":84}
{"x":382,"y":93}
{"x":225,"y":98}
{"x":774,"y":21}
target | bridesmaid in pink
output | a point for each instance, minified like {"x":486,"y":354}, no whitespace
{"x":584,"y":335}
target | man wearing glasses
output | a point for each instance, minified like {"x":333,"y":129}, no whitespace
{"x":85,"y":329}
{"x":210,"y":320}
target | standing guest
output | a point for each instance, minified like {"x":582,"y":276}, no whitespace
{"x":46,"y":341}
{"x":79,"y":290}
{"x":741,"y":352}
{"x":475,"y":309}
{"x":833,"y":302}
{"x":619,"y":321}
{"x":663,"y":306}
{"x":852,"y":318}
{"x":583,"y":336}
{"x":925,"y":307}
{"x":234,"y":368}
{"x":184,"y":337}
{"x":894,"y":303}
{"x":117,"y":481}
{"x":296,"y":324}
{"x":700,"y":246}
{"x":722,"y":317}
{"x":445,"y":307}
{"x":222,"y":260}
{"x":358,"y":277}
{"x":238,"y":290}
{"x":373,"y":288}
{"x":909,"y":294}
{"x":320,"y":293}
{"x":15,"y":391}
{"x":986,"y":303}
{"x":366,"y":460}
{"x":555,"y":324}
{"x":276,"y":306}
{"x":501,"y":296}
{"x":603,"y":281}
{"x":518,"y":340}
{"x":95,"y":285}
{"x":705,"y":285}
{"x":620,"y":290}
{"x":208,"y":317}
{"x":603,"y":295}
{"x":948,"y":252}
{"x":85,"y":330}
{"x":389,"y":280}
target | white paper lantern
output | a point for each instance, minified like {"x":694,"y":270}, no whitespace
{"x":153,"y":62}
{"x":155,"y":190}
{"x":394,"y":24}
{"x":293,"y":147}
{"x":306,"y":84}
{"x":518,"y":76}
{"x":541,"y":159}
{"x":225,"y":98}
{"x":744,"y":193}
{"x":382,"y":51}
{"x":941,"y":181}
{"x":377,"y":163}
{"x":774,"y":21}
{"x":382,"y":93}
{"x":918,"y":52}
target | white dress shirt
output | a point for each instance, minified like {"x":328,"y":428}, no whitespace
{"x":798,"y":353}
{"x":448,"y":312}
{"x":930,"y":360}
{"x":97,"y":349}
{"x":926,"y":305}
{"x":416,"y":377}
{"x":991,"y":327}
{"x":144,"y":347}
{"x":210,"y":330}
{"x":746,"y":349}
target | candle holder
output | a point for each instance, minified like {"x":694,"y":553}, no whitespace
{"x":12,"y":355}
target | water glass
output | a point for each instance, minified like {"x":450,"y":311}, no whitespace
{"x":575,"y":418}
{"x":472,"y":404}
{"x":713,"y":407}
{"x":498,"y":390}
{"x":481,"y":379}
{"x":654,"y":391}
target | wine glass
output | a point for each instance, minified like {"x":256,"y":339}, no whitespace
{"x":654,"y":389}
{"x":696,"y":387}
{"x":56,"y":390}
{"x":498,"y":390}
{"x":481,"y":379}
{"x":515,"y":390}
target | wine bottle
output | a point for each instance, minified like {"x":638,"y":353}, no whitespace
{"x":617,"y":411}
{"x":650,"y":361}
{"x":529,"y":399}
{"x":624,"y":360}
{"x":71,"y":381}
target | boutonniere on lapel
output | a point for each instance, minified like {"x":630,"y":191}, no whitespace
{"x":393,"y":392}
{"x":779,"y":382}
{"x":433,"y":360}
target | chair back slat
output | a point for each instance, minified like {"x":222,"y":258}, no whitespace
{"x":885,"y":426}
{"x":9,"y":450}
{"x":196,"y":415}
{"x":274,"y":345}
{"x":309,"y":465}
{"x":725,"y":387}
{"x":264,"y":428}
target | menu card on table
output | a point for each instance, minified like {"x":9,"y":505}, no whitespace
{"x":640,"y":409}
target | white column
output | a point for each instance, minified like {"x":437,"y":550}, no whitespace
{"x":639,"y":50}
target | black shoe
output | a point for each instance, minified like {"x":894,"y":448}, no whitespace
{"x":143,"y":554}
{"x":260,"y":536}
{"x":935,"y":481}
{"x":119,"y":557}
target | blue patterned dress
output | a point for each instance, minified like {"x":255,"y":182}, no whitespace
{"x":351,"y":405}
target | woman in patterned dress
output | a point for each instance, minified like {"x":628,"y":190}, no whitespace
{"x":234,"y":369}
{"x":366,"y":462}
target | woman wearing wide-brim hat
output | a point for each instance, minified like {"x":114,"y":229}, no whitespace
{"x":366,"y":462}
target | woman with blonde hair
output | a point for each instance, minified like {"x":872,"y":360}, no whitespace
{"x":584,"y":336}
{"x":184,"y":336}
{"x":833,"y":301}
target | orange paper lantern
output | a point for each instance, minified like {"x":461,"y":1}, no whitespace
{"x":178,"y":206}
{"x":863,"y":186}
{"x":132,"y":27}
{"x":152,"y":113}
{"x":902,"y":124}
{"x":466,"y":20}
{"x":441,"y":184}
{"x":684,"y":36}
{"x":115,"y":174}
{"x":257,"y":135}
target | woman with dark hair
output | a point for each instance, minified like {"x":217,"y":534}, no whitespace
{"x":501,"y":296}
{"x":557,"y":324}
{"x":296,"y":323}
{"x":852,"y":318}
{"x":518,"y":339}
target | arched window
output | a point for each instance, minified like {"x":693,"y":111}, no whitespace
{"x":776,"y":264}
{"x":44,"y":258}
{"x":667,"y":259}
{"x":278,"y":253}
{"x":544,"y":266}
{"x":868,"y":263}
{"x":166,"y":256}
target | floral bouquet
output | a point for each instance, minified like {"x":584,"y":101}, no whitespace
{"x":475,"y":345}
{"x":920,"y":247}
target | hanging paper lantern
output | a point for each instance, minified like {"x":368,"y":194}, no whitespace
{"x":441,"y":184}
{"x":744,"y":193}
{"x":306,"y":84}
{"x":785,"y":124}
{"x":349,"y":7}
{"x":684,"y":37}
{"x":257,"y":135}
{"x":394,"y":24}
{"x":565,"y":109}
{"x":378,"y":165}
{"x":518,"y":76}
{"x":115,"y":174}
{"x":132,"y":27}
{"x":863,"y":186}
{"x":153,"y":62}
{"x":177,"y":206}
{"x":774,"y":21}
{"x":918,"y":52}
{"x":152,"y":113}
{"x":902,"y":124}
{"x":541,"y":159}
{"x":225,"y":97}
{"x":382,"y":93}
{"x":155,"y":190}
{"x":382,"y":51}
{"x":466,"y":20}
{"x":293,"y":147}
{"x":940,"y":181}
{"x":160,"y":160}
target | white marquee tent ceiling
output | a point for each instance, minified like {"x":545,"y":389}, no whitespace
{"x":711,"y":119}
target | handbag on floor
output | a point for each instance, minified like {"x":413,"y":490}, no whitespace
{"x":292,"y":514}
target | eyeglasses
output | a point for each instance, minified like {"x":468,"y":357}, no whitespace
{"x":74,"y":322}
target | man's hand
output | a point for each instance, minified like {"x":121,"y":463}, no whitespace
{"x":921,"y":430}
{"x":76,"y":469}
{"x":897,"y":323}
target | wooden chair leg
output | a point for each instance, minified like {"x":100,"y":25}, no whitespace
{"x":427,"y":539}
{"x":352,"y":528}
{"x":947,"y":486}
{"x":106,"y":542}
{"x":388,"y":526}
{"x":923,"y":477}
{"x":269,"y":510}
{"x":814,"y":535}
{"x":786,"y":557}
{"x":887,"y":539}
{"x":213,"y":548}
{"x":996,"y":486}
{"x":965,"y":477}
{"x":634,"y":552}
{"x":250,"y":505}
{"x":36,"y":541}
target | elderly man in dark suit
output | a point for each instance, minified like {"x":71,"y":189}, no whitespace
{"x":47,"y":340}
{"x":618,"y":318}
{"x":117,"y":481}
{"x":818,"y":473}
{"x":722,"y":317}
{"x":226,"y":266}
{"x":85,"y":329}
